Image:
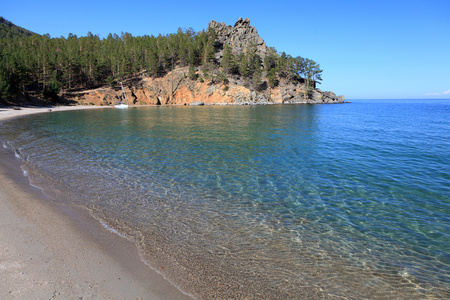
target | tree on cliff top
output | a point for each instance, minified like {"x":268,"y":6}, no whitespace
{"x":312,"y":72}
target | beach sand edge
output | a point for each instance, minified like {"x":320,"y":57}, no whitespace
{"x":54,"y":252}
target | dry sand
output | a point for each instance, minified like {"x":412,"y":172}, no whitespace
{"x":8,"y":113}
{"x":49,"y":251}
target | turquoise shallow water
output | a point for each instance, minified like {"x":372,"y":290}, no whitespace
{"x":271,"y":201}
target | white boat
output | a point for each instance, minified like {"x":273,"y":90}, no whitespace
{"x":121,"y":104}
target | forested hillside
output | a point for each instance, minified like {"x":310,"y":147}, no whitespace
{"x":45,"y":65}
{"x":9,"y":30}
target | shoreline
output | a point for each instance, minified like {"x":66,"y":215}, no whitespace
{"x":53,"y":251}
{"x":10,"y":112}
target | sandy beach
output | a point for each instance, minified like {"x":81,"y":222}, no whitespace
{"x":8,"y":112}
{"x":49,"y":251}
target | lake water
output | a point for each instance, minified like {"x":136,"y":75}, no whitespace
{"x":276,"y":202}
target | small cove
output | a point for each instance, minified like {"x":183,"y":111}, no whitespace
{"x":267,"y":201}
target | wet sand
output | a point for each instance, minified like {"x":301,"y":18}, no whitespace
{"x":48,"y":251}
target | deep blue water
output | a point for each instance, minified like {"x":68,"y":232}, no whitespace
{"x":345,"y":200}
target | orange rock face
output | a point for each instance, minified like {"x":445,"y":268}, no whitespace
{"x":177,"y":89}
{"x":169,"y":90}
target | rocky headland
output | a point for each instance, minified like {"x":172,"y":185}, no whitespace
{"x":177,"y":88}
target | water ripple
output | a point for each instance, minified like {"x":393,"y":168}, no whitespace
{"x":332,"y":201}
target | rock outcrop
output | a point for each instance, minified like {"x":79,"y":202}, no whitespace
{"x":158,"y":91}
{"x":293,"y":94}
{"x":239,"y":37}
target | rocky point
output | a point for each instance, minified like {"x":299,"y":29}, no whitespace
{"x":176,"y":88}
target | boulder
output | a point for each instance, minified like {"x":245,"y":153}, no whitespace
{"x":317,"y":97}
{"x":330,"y":97}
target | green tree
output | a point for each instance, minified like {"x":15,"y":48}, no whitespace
{"x":271,"y":59}
{"x":153,"y":66}
{"x":253,"y":59}
{"x":228,"y":62}
{"x":208,"y":57}
{"x":244,"y":67}
{"x":52,"y":90}
{"x":312,"y":73}
{"x":273,"y":79}
{"x":298,"y":67}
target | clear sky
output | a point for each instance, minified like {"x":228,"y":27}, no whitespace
{"x":367,"y":49}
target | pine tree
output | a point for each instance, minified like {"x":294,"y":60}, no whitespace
{"x":244,"y":68}
{"x":312,"y":73}
{"x":228,"y":61}
{"x":273,"y":79}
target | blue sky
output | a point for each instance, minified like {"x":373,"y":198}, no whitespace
{"x":367,"y":49}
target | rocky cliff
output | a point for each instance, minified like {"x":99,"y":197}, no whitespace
{"x":158,"y":91}
{"x":149,"y":91}
{"x":177,"y":89}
